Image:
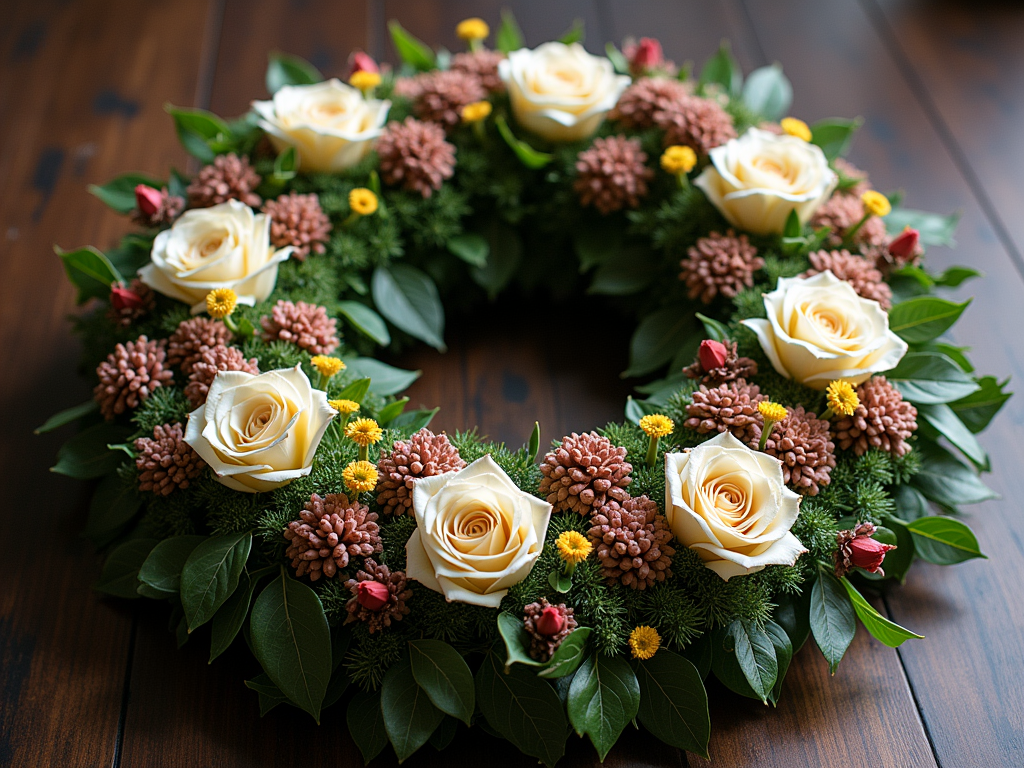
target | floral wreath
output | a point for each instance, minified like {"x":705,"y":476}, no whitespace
{"x":258,"y":471}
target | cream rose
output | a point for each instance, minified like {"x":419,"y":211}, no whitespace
{"x":226,"y":246}
{"x":477,"y":534}
{"x":755,"y":181}
{"x":330,"y":124}
{"x":730,"y":505}
{"x":259,"y":432}
{"x":560,"y":92}
{"x":819,"y":330}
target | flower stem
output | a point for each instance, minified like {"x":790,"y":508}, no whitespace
{"x":322,"y":383}
{"x":232,"y":325}
{"x":852,"y":231}
{"x":353,"y":217}
{"x":364,"y":453}
{"x":827,"y":414}
{"x":768,"y":426}
{"x":652,"y":451}
{"x":684,"y":181}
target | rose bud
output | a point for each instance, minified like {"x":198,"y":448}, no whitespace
{"x":904,"y":246}
{"x":712,"y":354}
{"x":551,"y":621}
{"x":124,"y":298}
{"x":362,"y":62}
{"x":372,"y":595}
{"x":868,"y":554}
{"x":645,"y":55}
{"x":148,"y":200}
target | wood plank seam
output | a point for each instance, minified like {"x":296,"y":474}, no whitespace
{"x":125,"y":692}
{"x":211,"y":47}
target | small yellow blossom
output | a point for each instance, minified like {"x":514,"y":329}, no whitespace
{"x":842,"y":397}
{"x":362,"y":201}
{"x":644,"y":642}
{"x":795,"y":127}
{"x":876,"y":203}
{"x":364,"y":81}
{"x":772,"y":412}
{"x":346,"y":407}
{"x":657,"y":425}
{"x":573,"y":547}
{"x":364,"y":432}
{"x":475,"y":112}
{"x":678,"y":159}
{"x":472,"y":29}
{"x":327,"y":366}
{"x":221,"y":302}
{"x":360,"y":476}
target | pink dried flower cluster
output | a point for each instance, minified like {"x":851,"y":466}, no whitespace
{"x":307,"y":326}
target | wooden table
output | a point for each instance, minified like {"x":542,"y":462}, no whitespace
{"x":89,"y":682}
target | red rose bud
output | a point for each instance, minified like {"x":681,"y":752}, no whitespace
{"x":904,"y":246}
{"x":868,"y":554}
{"x":148,"y":199}
{"x":645,"y":55}
{"x":372,"y":595}
{"x":551,"y":621}
{"x":712,"y":354}
{"x":123,"y":298}
{"x":361,"y":62}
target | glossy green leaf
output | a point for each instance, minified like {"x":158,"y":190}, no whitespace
{"x":120,"y":575}
{"x":618,"y":60}
{"x":768,"y":92}
{"x":292,"y":642}
{"x":568,"y":656}
{"x":637,"y":409}
{"x":673,"y":702}
{"x":89,"y":271}
{"x":366,"y":321}
{"x":470,"y":247}
{"x":270,"y":695}
{"x":743,"y":658}
{"x":230,"y":617}
{"x":113,"y":505}
{"x":533,"y":446}
{"x":924,"y":318}
{"x":946,"y":480}
{"x":954,"y":277}
{"x":506,"y":254}
{"x":284,"y":69}
{"x":202,"y":133}
{"x":977,"y":410}
{"x":658,"y":338}
{"x":884,"y":631}
{"x":408,"y":298}
{"x":793,"y":615}
{"x":934,"y":228}
{"x":574,"y":34}
{"x":699,"y":654}
{"x":527,"y":155}
{"x":899,"y":560}
{"x":384,"y":379}
{"x":409,"y":715}
{"x":713,"y":329}
{"x":928,"y":377}
{"x":945,"y":421}
{"x":510,"y":37}
{"x":723,"y":70}
{"x":597,"y":244}
{"x":414,"y":421}
{"x":832,"y":617}
{"x":603,"y":698}
{"x":517,"y":641}
{"x":412,"y":51}
{"x":834,"y":135}
{"x":162,"y":569}
{"x":910,"y":502}
{"x":943,"y":540}
{"x":444,"y":676}
{"x":391,"y":411}
{"x":783,"y":656}
{"x":443,"y":736}
{"x":86,"y":455}
{"x":119,"y":193}
{"x":366,"y":724}
{"x":67,"y":416}
{"x":211,"y":574}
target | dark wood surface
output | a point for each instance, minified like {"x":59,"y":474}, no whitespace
{"x":88,"y":682}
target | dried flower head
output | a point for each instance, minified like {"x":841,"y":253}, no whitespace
{"x":228,"y":177}
{"x":221,"y":303}
{"x":165,"y":461}
{"x":415,"y":155}
{"x":644,"y":642}
{"x":330,"y":531}
{"x":193,"y":337}
{"x":439,"y":96}
{"x":731,"y":406}
{"x":211,"y":362}
{"x":392,"y":608}
{"x":632,"y":541}
{"x":307,"y":326}
{"x":573,"y":547}
{"x":360,"y":476}
{"x":422,"y":455}
{"x":882,"y":420}
{"x":298,"y":221}
{"x":803,"y":444}
{"x":129,"y":375}
{"x":657,"y":425}
{"x":698,"y":123}
{"x":611,"y":174}
{"x":720,"y":264}
{"x":649,"y":101}
{"x":536,"y":617}
{"x":483,"y":65}
{"x":364,"y":432}
{"x":859,"y":272}
{"x":584,"y":472}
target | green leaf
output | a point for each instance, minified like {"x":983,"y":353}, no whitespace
{"x":714,"y":330}
{"x":658,"y":338}
{"x":723,"y":69}
{"x":618,"y":60}
{"x":210,"y":576}
{"x":112,"y":507}
{"x":533,"y":447}
{"x":366,"y":724}
{"x":597,"y":244}
{"x":366,"y":321}
{"x":470,"y":247}
{"x":445,"y":734}
{"x":285,"y":167}
{"x":673,"y":702}
{"x":270,"y":695}
{"x":899,"y":560}
{"x":929,"y":377}
{"x":699,"y":653}
{"x":120,"y":575}
{"x":444,"y":676}
{"x":413,"y":52}
{"x":230,"y":618}
{"x":409,"y":715}
{"x":527,"y":155}
{"x":743,"y":658}
{"x":943,"y":540}
{"x":292,"y":642}
{"x":574,"y":34}
{"x":884,"y":631}
{"x":924,"y":318}
{"x":954,"y":277}
{"x":119,"y":193}
{"x":793,"y":615}
{"x":408,"y":298}
{"x":415,"y":420}
{"x":768,"y":92}
{"x":89,"y":271}
{"x":834,"y":135}
{"x":86,"y":455}
{"x":637,"y":409}
{"x":946,"y":480}
{"x":284,"y":69}
{"x":202,"y":133}
{"x":391,"y":411}
{"x":783,"y":656}
{"x":567,"y":657}
{"x":517,"y":641}
{"x":522,"y":708}
{"x":384,"y":379}
{"x":67,"y":416}
{"x":506,"y":253}
{"x":627,"y":272}
{"x":792,"y":229}
{"x":162,"y":569}
{"x":832,"y":617}
{"x":977,"y":410}
{"x":510,"y":37}
{"x":956,"y":354}
{"x":603,"y":698}
{"x":934,"y":228}
{"x":944,"y":420}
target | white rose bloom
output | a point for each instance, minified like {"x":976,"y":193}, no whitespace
{"x":819,"y":330}
{"x":259,"y":432}
{"x":226,"y":246}
{"x":477,"y":534}
{"x":330,"y":124}
{"x":730,"y":505}
{"x":560,"y":92}
{"x":755,"y":181}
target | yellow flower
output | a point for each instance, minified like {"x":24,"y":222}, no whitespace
{"x":772,"y":411}
{"x":657,"y":425}
{"x":678,"y":159}
{"x":472,"y":29}
{"x":876,"y":203}
{"x":573,"y":547}
{"x":360,"y":476}
{"x":344,"y":406}
{"x":362,"y":201}
{"x":841,"y":397}
{"x":364,"y":80}
{"x":327,"y":366}
{"x":475,"y":112}
{"x":221,"y":302}
{"x":795,"y":127}
{"x":364,"y":432}
{"x":644,"y":642}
